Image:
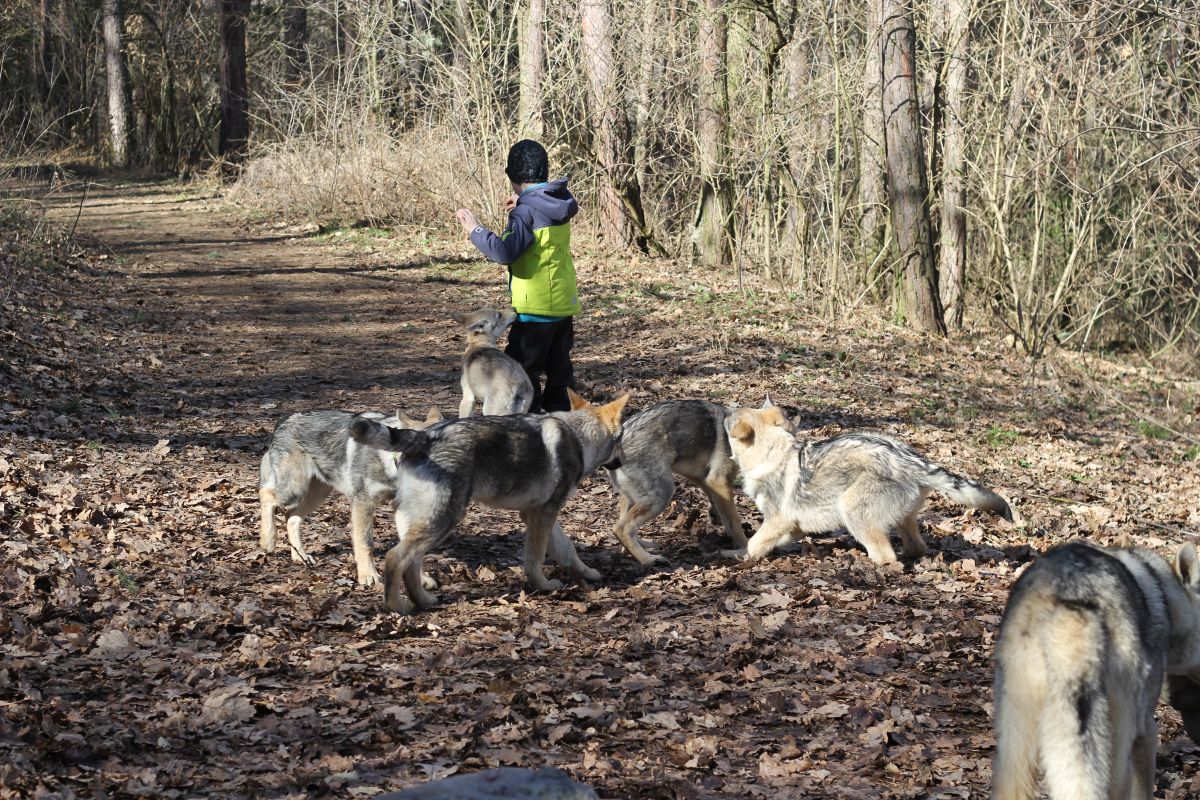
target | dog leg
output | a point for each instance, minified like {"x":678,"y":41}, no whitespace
{"x":267,"y":500}
{"x":1145,"y":748}
{"x":875,"y":540}
{"x":395,"y":598}
{"x":362,"y":512}
{"x":634,"y":516}
{"x":720,"y":498}
{"x":774,"y":532}
{"x":313,"y":497}
{"x":861,"y":519}
{"x":562,"y":550}
{"x":910,"y":535}
{"x":467,"y":406}
{"x":414,"y":583}
{"x":538,"y":527}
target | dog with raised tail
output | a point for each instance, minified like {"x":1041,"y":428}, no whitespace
{"x":867,"y":483}
{"x":527,"y":462}
{"x":309,"y":456}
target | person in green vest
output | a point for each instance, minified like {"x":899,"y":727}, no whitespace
{"x":536,"y":246}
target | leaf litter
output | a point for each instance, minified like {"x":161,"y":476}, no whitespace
{"x":148,"y":650}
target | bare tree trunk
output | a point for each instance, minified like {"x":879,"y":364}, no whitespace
{"x":45,"y":53}
{"x":713,"y":228}
{"x":908,"y":192}
{"x":610,"y":126}
{"x":117,"y":75}
{"x":235,"y":106}
{"x":648,"y":70}
{"x":295,"y":42}
{"x":796,"y":221}
{"x":872,"y":194}
{"x":532,"y":65}
{"x":953,"y":239}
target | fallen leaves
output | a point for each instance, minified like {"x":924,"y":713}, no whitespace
{"x":147,"y":649}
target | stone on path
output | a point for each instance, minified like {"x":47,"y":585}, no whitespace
{"x":510,"y":783}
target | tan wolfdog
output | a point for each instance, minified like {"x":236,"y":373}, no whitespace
{"x":1086,"y":639}
{"x":863,"y":482}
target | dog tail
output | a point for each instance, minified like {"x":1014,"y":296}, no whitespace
{"x":1051,"y":700}
{"x":384,"y":437}
{"x":967,"y":492}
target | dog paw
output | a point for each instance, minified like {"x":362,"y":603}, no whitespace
{"x":652,"y":559}
{"x":399,"y":605}
{"x":303,"y":558}
{"x":370,"y":580}
{"x":737,"y":553}
{"x":428,"y":581}
{"x":426,"y":600}
{"x":549,"y":585}
{"x":589,"y":574}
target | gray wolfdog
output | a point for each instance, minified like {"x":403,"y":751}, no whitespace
{"x":866,"y":483}
{"x":488,"y":373}
{"x":1086,"y":639}
{"x":684,"y":437}
{"x":528,"y":462}
{"x":310,"y":455}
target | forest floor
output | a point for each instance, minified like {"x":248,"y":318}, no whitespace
{"x":148,"y":648}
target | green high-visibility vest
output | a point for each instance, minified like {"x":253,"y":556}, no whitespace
{"x":542,"y":279}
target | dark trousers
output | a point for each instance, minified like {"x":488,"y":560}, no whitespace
{"x":545,"y":347}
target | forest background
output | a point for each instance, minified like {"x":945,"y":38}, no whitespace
{"x":1026,"y":169}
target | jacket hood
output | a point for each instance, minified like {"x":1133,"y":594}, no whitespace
{"x":551,"y":200}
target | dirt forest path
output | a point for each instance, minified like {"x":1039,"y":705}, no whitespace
{"x":150,"y":650}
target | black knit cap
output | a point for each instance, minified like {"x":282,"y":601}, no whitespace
{"x":527,"y":163}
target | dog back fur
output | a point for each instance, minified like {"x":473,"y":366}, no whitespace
{"x":1086,"y":639}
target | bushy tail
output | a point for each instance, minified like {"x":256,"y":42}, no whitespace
{"x":968,"y":492}
{"x":383,"y":437}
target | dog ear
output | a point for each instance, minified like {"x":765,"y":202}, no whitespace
{"x":577,"y":402}
{"x":461,"y":317}
{"x":741,"y":430}
{"x":1187,"y":566}
{"x":1124,"y":542}
{"x":610,"y":413}
{"x":767,"y":401}
{"x":434,"y":415}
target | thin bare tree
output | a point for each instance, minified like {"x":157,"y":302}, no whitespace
{"x":235,"y":105}
{"x":532,"y":66}
{"x":610,"y":125}
{"x":295,"y":42}
{"x":116,"y":71}
{"x":872,"y":192}
{"x":952,"y":240}
{"x":908,"y":190}
{"x":712,"y":233}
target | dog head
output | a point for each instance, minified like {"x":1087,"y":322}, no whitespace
{"x":753,"y":432}
{"x":608,"y":415}
{"x":598,"y":427}
{"x":485,"y":325}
